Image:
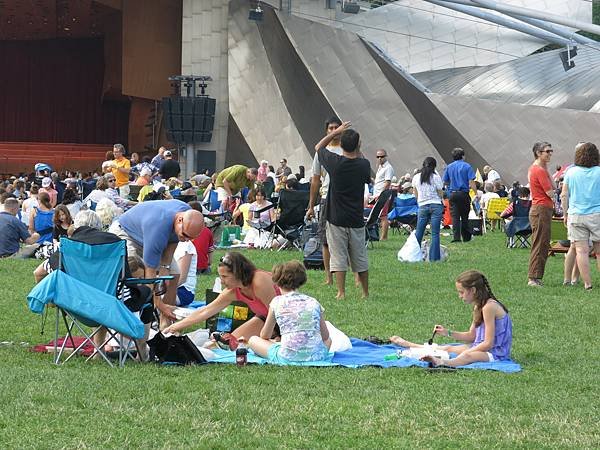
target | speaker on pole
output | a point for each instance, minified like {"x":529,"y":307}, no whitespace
{"x":189,"y":119}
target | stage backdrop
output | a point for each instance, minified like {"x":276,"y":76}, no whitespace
{"x":51,"y":91}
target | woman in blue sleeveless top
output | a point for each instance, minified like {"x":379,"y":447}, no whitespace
{"x":489,"y":337}
{"x":41,"y":219}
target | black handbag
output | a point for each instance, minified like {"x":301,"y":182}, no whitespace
{"x":174,"y":350}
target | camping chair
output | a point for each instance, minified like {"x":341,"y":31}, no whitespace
{"x":211,"y":201}
{"x":491,"y":214}
{"x":134,"y":191}
{"x":84,"y":291}
{"x":372,"y":221}
{"x":403,"y":216}
{"x":290,"y":223}
{"x":85,"y":187}
{"x":261,"y":226}
{"x":269,"y":188}
{"x":186,"y":198}
{"x":519,"y":227}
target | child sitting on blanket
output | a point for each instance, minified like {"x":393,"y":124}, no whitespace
{"x":304,"y":335}
{"x":490,"y":336}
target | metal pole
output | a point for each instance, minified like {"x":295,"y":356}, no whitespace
{"x":504,"y":21}
{"x":531,"y":13}
{"x":556,"y":29}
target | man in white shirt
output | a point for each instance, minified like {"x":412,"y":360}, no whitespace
{"x":492,"y":175}
{"x":383,"y":181}
{"x":320,"y":179}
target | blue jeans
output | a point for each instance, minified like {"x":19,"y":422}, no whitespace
{"x":430,"y":214}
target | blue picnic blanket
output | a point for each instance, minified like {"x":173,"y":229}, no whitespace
{"x":364,"y":354}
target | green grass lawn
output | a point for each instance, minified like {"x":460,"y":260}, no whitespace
{"x":553,"y":402}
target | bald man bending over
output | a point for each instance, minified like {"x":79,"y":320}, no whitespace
{"x":152,"y":230}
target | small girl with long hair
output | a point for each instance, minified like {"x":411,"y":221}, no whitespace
{"x":304,"y":334}
{"x":489,"y":337}
{"x":62,"y":222}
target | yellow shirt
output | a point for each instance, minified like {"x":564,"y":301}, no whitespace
{"x":122,"y":178}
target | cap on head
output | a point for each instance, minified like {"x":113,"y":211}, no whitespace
{"x":46,"y":182}
{"x":167,"y":153}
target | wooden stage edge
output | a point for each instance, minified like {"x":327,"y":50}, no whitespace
{"x":20,"y":157}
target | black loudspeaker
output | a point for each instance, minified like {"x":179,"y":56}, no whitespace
{"x":567,"y":56}
{"x":189,"y":120}
{"x":351,"y":8}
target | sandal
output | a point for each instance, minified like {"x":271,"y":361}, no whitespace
{"x":225,"y":341}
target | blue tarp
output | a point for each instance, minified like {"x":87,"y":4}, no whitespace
{"x":84,"y":301}
{"x":364,"y":354}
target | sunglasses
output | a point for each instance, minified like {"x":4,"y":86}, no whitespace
{"x":110,"y":180}
{"x":224,"y":261}
{"x":384,"y":156}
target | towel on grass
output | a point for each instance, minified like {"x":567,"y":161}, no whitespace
{"x":364,"y":354}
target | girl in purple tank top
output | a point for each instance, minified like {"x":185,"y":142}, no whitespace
{"x":489,"y":337}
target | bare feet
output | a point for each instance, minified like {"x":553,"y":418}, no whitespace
{"x":432,"y":360}
{"x":399,"y":341}
{"x":328,"y":282}
{"x":340,"y":296}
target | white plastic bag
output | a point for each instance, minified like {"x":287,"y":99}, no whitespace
{"x":425,"y":251}
{"x":410,"y":251}
{"x":339,"y":341}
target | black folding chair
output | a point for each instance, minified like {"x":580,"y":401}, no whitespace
{"x":372,"y":221}
{"x":292,"y":211}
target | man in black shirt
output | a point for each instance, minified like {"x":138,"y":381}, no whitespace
{"x":348,"y":174}
{"x":170,"y":168}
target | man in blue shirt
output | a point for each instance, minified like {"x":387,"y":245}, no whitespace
{"x":459,"y":177}
{"x":152,"y":230}
{"x":13,"y":230}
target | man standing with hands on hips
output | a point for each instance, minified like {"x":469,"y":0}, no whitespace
{"x":383,"y":181}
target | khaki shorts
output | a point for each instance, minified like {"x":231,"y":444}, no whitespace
{"x":347,"y":244}
{"x":584,"y":227}
{"x":135,"y":249}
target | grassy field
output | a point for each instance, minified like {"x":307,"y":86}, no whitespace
{"x":552,"y":403}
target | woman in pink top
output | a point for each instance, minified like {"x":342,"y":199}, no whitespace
{"x":263,"y":171}
{"x":242,"y":282}
{"x":540,"y":213}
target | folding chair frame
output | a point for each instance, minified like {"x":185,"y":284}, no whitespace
{"x":375,"y":214}
{"x":71,"y":322}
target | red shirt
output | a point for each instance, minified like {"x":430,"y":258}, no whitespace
{"x":539,"y":184}
{"x":204,"y":245}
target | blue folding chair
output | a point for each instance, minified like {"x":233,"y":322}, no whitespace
{"x":84,"y":290}
{"x":403,"y":216}
{"x":211,"y":202}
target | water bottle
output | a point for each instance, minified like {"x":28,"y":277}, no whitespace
{"x":241,"y":353}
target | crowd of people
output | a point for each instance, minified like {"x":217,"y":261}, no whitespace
{"x":161,"y":218}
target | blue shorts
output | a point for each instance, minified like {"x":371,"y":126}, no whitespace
{"x":184,"y":297}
